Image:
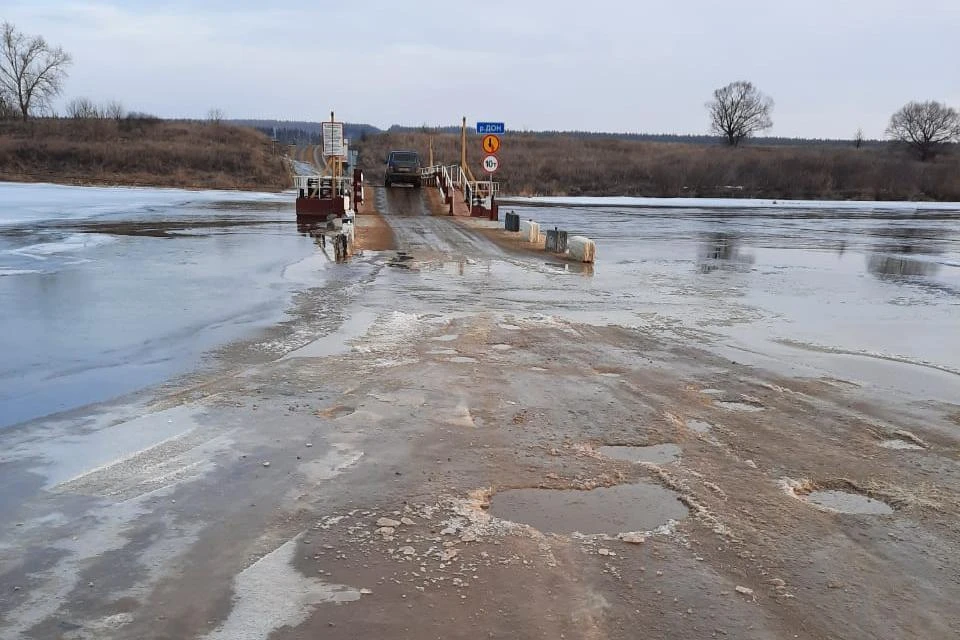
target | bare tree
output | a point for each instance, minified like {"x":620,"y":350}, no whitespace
{"x":925,"y":127}
{"x":82,"y":109}
{"x":7,"y":109}
{"x":215,"y":116}
{"x":113,"y":110}
{"x":858,"y":139}
{"x":31,"y":71}
{"x":739,"y":110}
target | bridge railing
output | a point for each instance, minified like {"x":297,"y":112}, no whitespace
{"x":475,"y":192}
{"x":319,"y":186}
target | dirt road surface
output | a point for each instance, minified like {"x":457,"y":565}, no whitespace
{"x":379,"y":478}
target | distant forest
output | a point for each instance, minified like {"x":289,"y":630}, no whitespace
{"x":303,"y":132}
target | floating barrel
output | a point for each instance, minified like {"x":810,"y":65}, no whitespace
{"x":530,"y":231}
{"x":582,"y":249}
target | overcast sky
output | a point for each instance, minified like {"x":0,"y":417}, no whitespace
{"x":830,"y":65}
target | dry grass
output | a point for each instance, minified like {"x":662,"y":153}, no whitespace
{"x":564,"y":165}
{"x":141,"y":152}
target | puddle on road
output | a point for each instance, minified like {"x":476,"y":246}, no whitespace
{"x":699,"y":426}
{"x":450,"y":337}
{"x":845,"y":502}
{"x":740,"y":405}
{"x":608,"y":510}
{"x":462,"y":360}
{"x":502,"y":347}
{"x":901,"y":444}
{"x":657,"y":454}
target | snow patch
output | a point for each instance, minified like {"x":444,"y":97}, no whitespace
{"x":271,"y":593}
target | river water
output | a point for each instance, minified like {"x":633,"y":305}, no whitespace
{"x":871,"y":293}
{"x":105,"y":291}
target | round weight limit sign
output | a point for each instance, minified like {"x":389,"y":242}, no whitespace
{"x":491,"y":163}
{"x":491,"y":144}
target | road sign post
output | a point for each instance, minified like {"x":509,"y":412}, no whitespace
{"x":491,"y":132}
{"x":332,"y":139}
{"x":490,"y":164}
{"x":491,"y":143}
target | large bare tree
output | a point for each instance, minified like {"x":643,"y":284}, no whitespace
{"x":31,"y":71}
{"x":925,"y":127}
{"x":738,"y":111}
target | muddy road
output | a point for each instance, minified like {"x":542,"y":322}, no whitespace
{"x":472,"y":450}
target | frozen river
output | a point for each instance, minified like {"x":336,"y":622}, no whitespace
{"x":870,"y":293}
{"x":106,"y":291}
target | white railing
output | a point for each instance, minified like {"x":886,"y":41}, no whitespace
{"x":475,"y":192}
{"x":314,"y":186}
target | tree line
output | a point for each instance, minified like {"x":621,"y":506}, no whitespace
{"x":740,"y":110}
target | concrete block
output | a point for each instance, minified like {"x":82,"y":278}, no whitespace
{"x":529,"y":231}
{"x":582,"y":249}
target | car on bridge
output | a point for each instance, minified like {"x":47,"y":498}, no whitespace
{"x":403,"y":167}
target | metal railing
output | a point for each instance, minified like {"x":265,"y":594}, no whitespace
{"x":320,"y":186}
{"x":475,"y":192}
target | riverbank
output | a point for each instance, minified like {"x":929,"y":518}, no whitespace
{"x":140,"y":152}
{"x":567,"y":165}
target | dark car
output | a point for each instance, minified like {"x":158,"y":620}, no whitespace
{"x":403,"y":167}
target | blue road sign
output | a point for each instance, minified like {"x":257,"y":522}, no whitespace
{"x":495,"y":128}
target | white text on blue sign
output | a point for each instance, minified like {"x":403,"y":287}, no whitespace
{"x":484,"y":128}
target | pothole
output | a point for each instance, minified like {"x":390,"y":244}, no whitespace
{"x":657,"y":454}
{"x":401,"y":260}
{"x":743,"y":404}
{"x":607,"y":510}
{"x":699,"y":426}
{"x":896,"y":443}
{"x":841,"y":496}
{"x":845,"y":502}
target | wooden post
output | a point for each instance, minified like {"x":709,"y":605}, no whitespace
{"x":463,"y":144}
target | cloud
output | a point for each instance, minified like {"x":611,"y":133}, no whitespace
{"x":608,"y":65}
